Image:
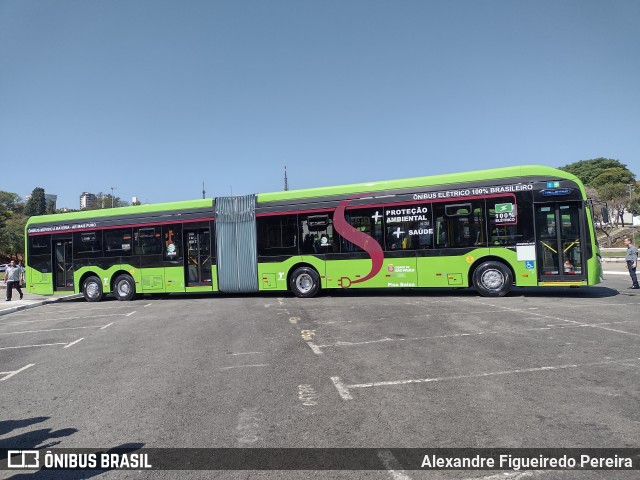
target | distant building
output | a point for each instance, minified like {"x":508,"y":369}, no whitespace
{"x":48,"y":198}
{"x":135,"y":201}
{"x":88,"y":201}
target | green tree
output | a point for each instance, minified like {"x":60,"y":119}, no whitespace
{"x":9,"y":201}
{"x":12,"y":236}
{"x":36,"y":205}
{"x":613,"y":191}
{"x":12,"y":224}
{"x":613,"y":176}
{"x":105,"y":201}
{"x":610,"y":179}
{"x":601,"y":214}
{"x":589,"y":170}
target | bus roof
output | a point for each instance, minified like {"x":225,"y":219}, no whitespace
{"x":426,"y":181}
{"x":134,"y":209}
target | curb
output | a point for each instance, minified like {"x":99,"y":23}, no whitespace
{"x":39,"y":303}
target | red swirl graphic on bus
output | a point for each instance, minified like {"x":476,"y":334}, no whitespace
{"x":362,"y":240}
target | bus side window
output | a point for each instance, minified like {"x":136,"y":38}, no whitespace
{"x":367,"y":221}
{"x":87,"y":244}
{"x":172,"y":243}
{"x":502,"y":214}
{"x":277,"y":235}
{"x":460,"y":225}
{"x":147,"y":241}
{"x":441,"y":235}
{"x":117,"y":242}
{"x":316,"y":232}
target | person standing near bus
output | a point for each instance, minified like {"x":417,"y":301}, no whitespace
{"x":632,"y":262}
{"x":12,"y":279}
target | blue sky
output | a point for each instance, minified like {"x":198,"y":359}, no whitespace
{"x":154,"y":97}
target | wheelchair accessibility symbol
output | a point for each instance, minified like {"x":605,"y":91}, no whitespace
{"x":529,"y":264}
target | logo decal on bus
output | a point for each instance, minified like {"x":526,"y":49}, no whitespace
{"x":362,"y":240}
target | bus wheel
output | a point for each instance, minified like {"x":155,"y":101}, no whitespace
{"x":492,"y":279}
{"x":124,"y":288}
{"x":305,"y":282}
{"x":92,"y":289}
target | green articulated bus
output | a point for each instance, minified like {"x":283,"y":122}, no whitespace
{"x":528,"y":226}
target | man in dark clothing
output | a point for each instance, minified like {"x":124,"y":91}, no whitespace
{"x":632,"y":261}
{"x":12,"y":278}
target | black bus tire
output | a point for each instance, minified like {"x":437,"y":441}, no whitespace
{"x":92,"y":289}
{"x":305,"y":282}
{"x":124,"y":288}
{"x":492,"y":279}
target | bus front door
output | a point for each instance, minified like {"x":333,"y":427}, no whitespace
{"x":559,"y":242}
{"x":63,"y":264}
{"x":198,"y":258}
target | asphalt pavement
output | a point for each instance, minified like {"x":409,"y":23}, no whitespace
{"x":544,"y":368}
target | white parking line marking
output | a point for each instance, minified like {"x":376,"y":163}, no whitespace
{"x":314,"y":348}
{"x":627,"y":365}
{"x":106,"y":326}
{"x":391,"y":464}
{"x":515,"y":310}
{"x":245,"y":366}
{"x":147,"y":305}
{"x":51,"y":330}
{"x":472,"y":313}
{"x":129,"y":314}
{"x":349,"y":344}
{"x":248,"y":353}
{"x":344,"y":390}
{"x":496,"y":309}
{"x":54,"y":309}
{"x":594,"y":325}
{"x":21,"y":322}
{"x":491,"y":332}
{"x":29,"y":346}
{"x":74,"y":342}
{"x":619,"y":331}
{"x":11,"y":374}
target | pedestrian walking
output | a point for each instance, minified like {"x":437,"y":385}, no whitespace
{"x":12,"y":277}
{"x":632,"y":262}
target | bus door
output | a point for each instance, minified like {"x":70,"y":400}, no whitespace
{"x":559,"y":241}
{"x":63,"y":264}
{"x":198,"y":258}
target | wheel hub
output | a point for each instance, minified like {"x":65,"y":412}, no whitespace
{"x":304,"y":283}
{"x":492,"y":279}
{"x":92,"y":290}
